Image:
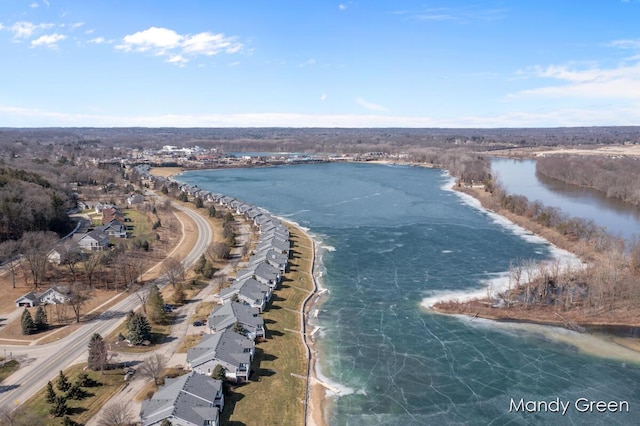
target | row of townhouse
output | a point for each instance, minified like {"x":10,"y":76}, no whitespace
{"x":233,"y":326}
{"x":246,"y":298}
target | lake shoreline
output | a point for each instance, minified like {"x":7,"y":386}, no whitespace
{"x":485,"y":307}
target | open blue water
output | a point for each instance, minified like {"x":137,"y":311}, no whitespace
{"x":394,"y":236}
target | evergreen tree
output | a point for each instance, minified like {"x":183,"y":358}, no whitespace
{"x":155,"y":305}
{"x":237,"y":328}
{"x":219,"y":373}
{"x":50,"y":395}
{"x":84,"y":380}
{"x":198,"y":202}
{"x":139,"y":329}
{"x":63,"y":383}
{"x":166,"y":422}
{"x":60,"y":407}
{"x":97,"y":353}
{"x":76,"y":392}
{"x":200,"y":263}
{"x":28,"y":326}
{"x":208,"y":270}
{"x":127,"y":320}
{"x":40,"y":319}
{"x":212,"y":211}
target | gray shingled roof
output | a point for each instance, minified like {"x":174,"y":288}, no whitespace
{"x":225,"y":316}
{"x":187,"y":399}
{"x":226,"y":345}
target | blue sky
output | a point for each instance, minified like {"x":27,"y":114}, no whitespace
{"x":508,"y":63}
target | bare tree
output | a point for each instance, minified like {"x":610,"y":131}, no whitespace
{"x":132,"y":267}
{"x":79,"y":295}
{"x":70,"y":256}
{"x":174,"y":270}
{"x":35,"y":247}
{"x":152,"y":367}
{"x":9,"y":253}
{"x":117,"y":414}
{"x":142,"y":293}
{"x":218,"y":251}
{"x":90,"y":263}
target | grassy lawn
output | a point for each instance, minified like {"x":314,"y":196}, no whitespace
{"x":80,"y":411}
{"x":202,"y":311}
{"x":190,"y":341}
{"x":159,"y":333}
{"x":280,"y":355}
{"x":7,"y":368}
{"x":141,"y":224}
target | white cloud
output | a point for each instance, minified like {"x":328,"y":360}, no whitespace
{"x":370,"y":105}
{"x":76,"y":25}
{"x":97,"y":40}
{"x":308,"y":62}
{"x":622,"y":82}
{"x":157,"y":40}
{"x":24,"y":117}
{"x":323,"y":97}
{"x":625,"y":44}
{"x":342,"y":6}
{"x":178,"y":60}
{"x":50,"y":40}
{"x":234,"y":64}
{"x":210,"y":44}
{"x":46,"y":3}
{"x":178,"y":47}
{"x":34,"y":5}
{"x":459,"y":14}
{"x":22,"y":29}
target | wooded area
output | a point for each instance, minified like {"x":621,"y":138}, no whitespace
{"x":616,"y":177}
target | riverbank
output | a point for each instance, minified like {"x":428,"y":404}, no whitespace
{"x":573,"y":319}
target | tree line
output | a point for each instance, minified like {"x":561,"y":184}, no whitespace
{"x":29,"y":202}
{"x":616,"y":177}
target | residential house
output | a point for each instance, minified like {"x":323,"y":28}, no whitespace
{"x":274,"y":243}
{"x":248,"y":291}
{"x":272,"y":257}
{"x":262,"y":272}
{"x":227,"y":348}
{"x":29,"y":300}
{"x":228,"y":315}
{"x":192,"y":399}
{"x":53,"y":296}
{"x":62,"y":252}
{"x":135,"y":199}
{"x":115,"y":228}
{"x":111,"y":213}
{"x":101,"y":206}
{"x":93,"y":240}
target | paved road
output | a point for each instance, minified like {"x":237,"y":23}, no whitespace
{"x":41,"y":363}
{"x":181,"y":327}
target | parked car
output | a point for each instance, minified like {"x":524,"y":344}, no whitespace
{"x":198,"y":323}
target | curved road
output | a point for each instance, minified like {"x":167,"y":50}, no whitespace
{"x":39,"y":364}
